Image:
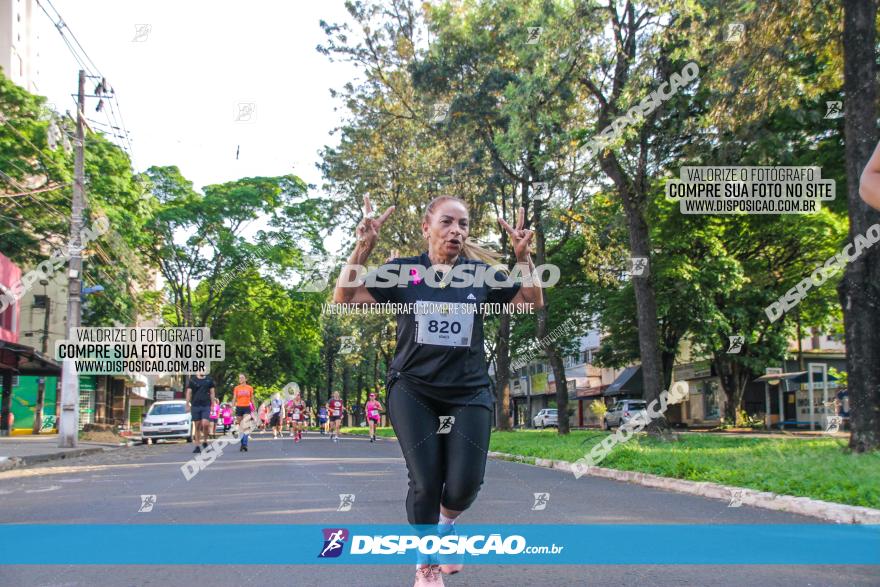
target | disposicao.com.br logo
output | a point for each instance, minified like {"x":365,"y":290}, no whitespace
{"x":334,"y":541}
{"x":448,"y":544}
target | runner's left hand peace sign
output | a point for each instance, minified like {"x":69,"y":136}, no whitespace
{"x":519,"y":236}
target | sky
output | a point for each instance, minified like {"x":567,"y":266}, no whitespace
{"x":180,"y":81}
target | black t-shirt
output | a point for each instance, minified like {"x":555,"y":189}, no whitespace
{"x":201,"y":390}
{"x":448,"y":359}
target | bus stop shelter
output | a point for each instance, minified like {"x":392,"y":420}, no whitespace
{"x":796,"y":378}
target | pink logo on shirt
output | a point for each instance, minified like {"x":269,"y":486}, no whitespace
{"x":416,"y":279}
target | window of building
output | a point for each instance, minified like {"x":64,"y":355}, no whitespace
{"x":711,"y":400}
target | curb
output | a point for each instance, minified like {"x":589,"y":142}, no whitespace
{"x":9,"y":463}
{"x":805,"y":506}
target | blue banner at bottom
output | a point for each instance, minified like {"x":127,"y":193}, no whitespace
{"x":290,"y":544}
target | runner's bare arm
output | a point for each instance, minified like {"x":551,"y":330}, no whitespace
{"x":530,"y":292}
{"x":367,"y":237}
{"x":349,"y":294}
{"x":869,"y":188}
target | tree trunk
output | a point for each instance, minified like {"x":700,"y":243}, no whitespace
{"x":734,"y":380}
{"x":646,"y":308}
{"x":359,"y":386}
{"x":329,"y":367}
{"x":561,"y":390}
{"x":346,"y":382}
{"x":375,"y":371}
{"x":543,"y":315}
{"x":667,"y":359}
{"x":502,"y":374}
{"x":859,"y":290}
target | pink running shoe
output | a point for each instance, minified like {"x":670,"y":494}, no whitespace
{"x":429,"y":577}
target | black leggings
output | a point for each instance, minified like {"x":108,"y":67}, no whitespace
{"x":443,"y":468}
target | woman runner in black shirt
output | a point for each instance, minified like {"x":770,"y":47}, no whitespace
{"x":439,"y":401}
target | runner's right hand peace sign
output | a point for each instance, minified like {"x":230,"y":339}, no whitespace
{"x":368,"y":230}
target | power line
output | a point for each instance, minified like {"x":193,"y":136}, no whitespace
{"x":59,"y":25}
{"x":75,"y":40}
{"x":81,"y":57}
{"x":48,"y":189}
{"x":15,"y":130}
{"x":122,"y":121}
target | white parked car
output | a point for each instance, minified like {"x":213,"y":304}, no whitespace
{"x":625,"y":410}
{"x":546,"y":417}
{"x":167,"y":419}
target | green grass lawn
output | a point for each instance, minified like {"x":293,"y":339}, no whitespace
{"x":820,"y":468}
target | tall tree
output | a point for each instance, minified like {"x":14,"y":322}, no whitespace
{"x":859,"y":291}
{"x":632,"y":51}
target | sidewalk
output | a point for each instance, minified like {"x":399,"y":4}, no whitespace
{"x":744,"y":433}
{"x":20,"y":451}
{"x":772,"y":434}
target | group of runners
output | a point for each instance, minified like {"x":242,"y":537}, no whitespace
{"x":208,"y":413}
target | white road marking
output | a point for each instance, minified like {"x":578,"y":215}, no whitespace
{"x":44,"y":490}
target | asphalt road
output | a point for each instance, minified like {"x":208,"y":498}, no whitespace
{"x":278,"y":482}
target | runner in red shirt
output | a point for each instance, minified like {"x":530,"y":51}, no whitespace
{"x":334,"y":406}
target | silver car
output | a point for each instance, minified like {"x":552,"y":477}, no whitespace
{"x":167,"y":419}
{"x":625,"y":410}
{"x":546,"y":417}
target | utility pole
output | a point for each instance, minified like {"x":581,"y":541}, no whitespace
{"x":41,"y":382}
{"x":68,"y":423}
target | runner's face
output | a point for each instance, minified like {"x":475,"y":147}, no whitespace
{"x":242,"y":379}
{"x":446,"y":229}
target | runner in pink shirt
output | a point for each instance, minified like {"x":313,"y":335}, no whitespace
{"x":213,"y":416}
{"x":226,"y":414}
{"x":373,"y":408}
{"x":298,"y":417}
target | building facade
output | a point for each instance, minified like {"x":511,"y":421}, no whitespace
{"x":20,"y":43}
{"x":532,"y":387}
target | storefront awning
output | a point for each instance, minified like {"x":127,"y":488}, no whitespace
{"x":594,"y":391}
{"x":25,"y":360}
{"x":628,"y":383}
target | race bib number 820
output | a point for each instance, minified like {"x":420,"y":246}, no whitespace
{"x":439,"y":324}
